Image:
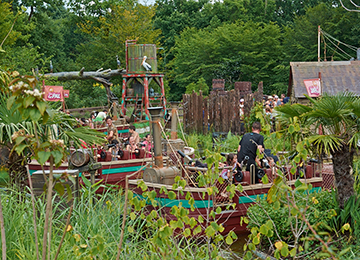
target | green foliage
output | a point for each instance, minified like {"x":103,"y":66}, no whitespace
{"x":257,"y":114}
{"x":7,"y":18}
{"x":197,"y":87}
{"x":347,"y":219}
{"x":234,"y":40}
{"x":337,"y":116}
{"x":203,"y":143}
{"x":281,"y":219}
{"x":179,"y":222}
{"x":128,"y":20}
{"x":356,"y":173}
{"x":93,"y":231}
{"x":199,"y":142}
{"x":301,"y":36}
{"x":203,"y":53}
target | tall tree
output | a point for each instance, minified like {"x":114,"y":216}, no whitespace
{"x":247,"y":50}
{"x":16,"y":52}
{"x":287,"y":11}
{"x":300,"y":39}
{"x":173,"y":16}
{"x":124,"y":22}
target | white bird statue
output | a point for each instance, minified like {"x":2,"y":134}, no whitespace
{"x":118,"y":62}
{"x":146,"y":65}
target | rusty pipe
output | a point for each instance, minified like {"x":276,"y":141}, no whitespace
{"x":155,"y":113}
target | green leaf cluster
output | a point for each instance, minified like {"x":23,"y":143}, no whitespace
{"x":281,"y":217}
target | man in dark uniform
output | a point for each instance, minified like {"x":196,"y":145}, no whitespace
{"x":248,"y":146}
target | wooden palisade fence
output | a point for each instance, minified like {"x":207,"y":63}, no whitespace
{"x":219,"y":112}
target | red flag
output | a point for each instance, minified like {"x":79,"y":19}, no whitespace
{"x":313,"y":87}
{"x":66,"y":93}
{"x":53,"y":93}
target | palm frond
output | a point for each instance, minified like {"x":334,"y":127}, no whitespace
{"x":295,"y":110}
{"x":326,"y":143}
{"x":90,"y":136}
{"x":58,"y":126}
{"x":334,"y":113}
{"x":65,"y":127}
{"x":355,"y":140}
{"x":356,"y":108}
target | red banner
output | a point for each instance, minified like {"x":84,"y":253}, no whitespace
{"x":53,"y":93}
{"x":313,"y":87}
{"x":66,"y":93}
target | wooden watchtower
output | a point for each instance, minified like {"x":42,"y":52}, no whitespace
{"x":136,"y":80}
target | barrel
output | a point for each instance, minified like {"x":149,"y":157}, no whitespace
{"x":165,"y":175}
{"x":80,"y":157}
{"x":135,"y":55}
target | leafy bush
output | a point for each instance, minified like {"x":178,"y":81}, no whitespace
{"x":319,"y":212}
{"x":356,"y":173}
{"x":206,"y":142}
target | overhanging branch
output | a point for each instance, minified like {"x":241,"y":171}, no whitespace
{"x":350,"y":10}
{"x":101,"y":76}
{"x":81,"y":75}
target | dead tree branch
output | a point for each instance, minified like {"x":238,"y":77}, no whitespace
{"x":101,"y":76}
{"x":82,"y":75}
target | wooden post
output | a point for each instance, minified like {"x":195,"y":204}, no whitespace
{"x":200,"y":112}
{"x":206,"y":115}
{"x":319,"y":32}
{"x":173,"y":123}
{"x":123,"y":95}
{"x":163,"y":99}
{"x":146,"y":97}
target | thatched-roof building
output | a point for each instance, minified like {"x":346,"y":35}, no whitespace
{"x":334,"y":77}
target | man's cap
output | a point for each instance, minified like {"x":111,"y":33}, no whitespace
{"x":270,"y":97}
{"x":242,"y":100}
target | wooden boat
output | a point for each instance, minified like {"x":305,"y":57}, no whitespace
{"x":201,"y":202}
{"x":110,"y":170}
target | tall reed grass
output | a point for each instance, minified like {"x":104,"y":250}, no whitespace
{"x":94,"y":233}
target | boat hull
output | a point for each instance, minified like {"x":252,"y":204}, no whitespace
{"x":111,"y":173}
{"x":232,"y":209}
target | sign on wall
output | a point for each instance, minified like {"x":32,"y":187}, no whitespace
{"x":313,"y":87}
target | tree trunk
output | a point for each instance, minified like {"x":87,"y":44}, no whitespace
{"x":344,"y":180}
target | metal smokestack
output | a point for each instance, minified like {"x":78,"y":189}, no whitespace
{"x":155,"y":113}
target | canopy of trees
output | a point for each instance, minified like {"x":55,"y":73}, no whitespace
{"x":238,"y":40}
